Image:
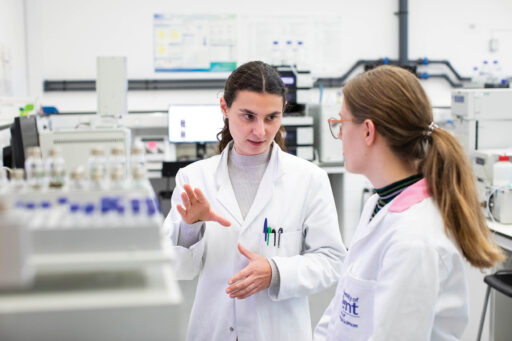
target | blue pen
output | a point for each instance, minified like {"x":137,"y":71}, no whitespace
{"x":265,"y":228}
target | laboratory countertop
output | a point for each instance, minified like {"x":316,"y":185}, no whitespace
{"x":502,"y":234}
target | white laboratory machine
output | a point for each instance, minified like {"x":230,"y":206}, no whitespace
{"x":482,"y":124}
{"x":85,"y":262}
{"x":76,"y":145}
{"x":299,"y":136}
{"x":102,"y":129}
{"x":111,"y":90}
{"x":482,"y":118}
{"x":493,"y":175}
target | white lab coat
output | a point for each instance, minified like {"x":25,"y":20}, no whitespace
{"x":403,"y":277}
{"x":294,"y":195}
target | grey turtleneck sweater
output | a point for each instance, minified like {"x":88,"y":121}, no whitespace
{"x":245,"y":173}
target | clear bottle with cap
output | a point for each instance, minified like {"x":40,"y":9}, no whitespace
{"x":117,"y":161}
{"x":59,"y":211}
{"x":502,"y":172}
{"x":288,"y":56}
{"x":42,"y":215}
{"x":73,"y":218}
{"x":137,"y":157}
{"x":139,"y":180}
{"x":78,"y":181}
{"x":117,"y":177}
{"x":90,"y":219}
{"x":96,"y":164}
{"x":34,"y":168}
{"x":302,"y":62}
{"x":476,"y":78}
{"x":276,"y":53}
{"x":56,"y":168}
{"x":485,"y":72}
{"x":17,"y":183}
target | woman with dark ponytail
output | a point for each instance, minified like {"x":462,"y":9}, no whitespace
{"x":260,"y":227}
{"x":404,"y":276}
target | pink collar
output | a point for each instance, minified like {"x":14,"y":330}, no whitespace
{"x":412,"y":195}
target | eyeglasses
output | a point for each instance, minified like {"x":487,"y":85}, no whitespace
{"x":335,"y":126}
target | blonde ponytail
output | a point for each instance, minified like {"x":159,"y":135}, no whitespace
{"x":450,"y":180}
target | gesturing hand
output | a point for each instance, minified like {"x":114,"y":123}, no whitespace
{"x":197,"y":208}
{"x":253,"y":278}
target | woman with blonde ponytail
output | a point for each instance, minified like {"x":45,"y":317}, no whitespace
{"x":404,"y":277}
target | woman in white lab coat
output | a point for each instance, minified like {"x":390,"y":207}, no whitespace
{"x":403,"y":277}
{"x":260,"y":227}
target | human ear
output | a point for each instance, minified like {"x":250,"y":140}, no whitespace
{"x":224,"y":107}
{"x":370,"y":132}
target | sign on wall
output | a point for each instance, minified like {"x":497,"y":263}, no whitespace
{"x":195,"y":42}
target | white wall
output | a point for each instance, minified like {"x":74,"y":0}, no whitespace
{"x":64,"y":38}
{"x":12,"y":49}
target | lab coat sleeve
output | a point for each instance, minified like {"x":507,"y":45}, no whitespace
{"x":319,"y":265}
{"x":406,"y":286}
{"x":189,"y":260}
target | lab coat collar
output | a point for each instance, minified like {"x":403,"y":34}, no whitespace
{"x":412,"y":195}
{"x":226,"y":195}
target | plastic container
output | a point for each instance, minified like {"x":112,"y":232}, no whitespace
{"x":42,"y":215}
{"x":137,"y":158}
{"x":302,"y":62}
{"x":289,"y":56}
{"x":56,"y":169}
{"x":476,"y":78}
{"x":502,"y":172}
{"x":34,"y":168}
{"x":496,"y":73}
{"x":117,"y":162}
{"x":276,"y":53}
{"x":78,"y":181}
{"x":96,"y":164}
{"x":17,"y":183}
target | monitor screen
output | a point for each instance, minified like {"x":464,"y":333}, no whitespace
{"x":290,"y":81}
{"x":24,"y":134}
{"x":194,"y":123}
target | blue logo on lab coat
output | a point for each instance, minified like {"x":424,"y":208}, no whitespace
{"x":349,"y":310}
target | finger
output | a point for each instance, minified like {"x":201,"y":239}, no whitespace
{"x":185,"y":200}
{"x":200,"y":196}
{"x":239,"y":285}
{"x":181,"y":211}
{"x":246,"y":292}
{"x":239,"y":276}
{"x":246,"y":253}
{"x":221,"y":220}
{"x":190,"y":193}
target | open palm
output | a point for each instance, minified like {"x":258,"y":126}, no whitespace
{"x":197,"y":208}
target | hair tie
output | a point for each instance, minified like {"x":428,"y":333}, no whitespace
{"x":430,"y":129}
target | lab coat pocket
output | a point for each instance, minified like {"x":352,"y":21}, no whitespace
{"x":282,"y":243}
{"x":354,"y":320}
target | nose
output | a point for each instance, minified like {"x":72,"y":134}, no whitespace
{"x":259,"y":128}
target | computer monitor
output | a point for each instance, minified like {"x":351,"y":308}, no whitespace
{"x":290,"y":82}
{"x":24,"y":134}
{"x":194,"y":123}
